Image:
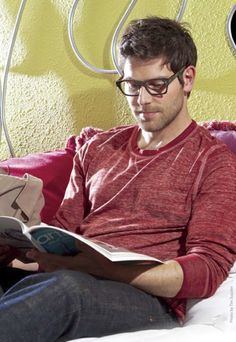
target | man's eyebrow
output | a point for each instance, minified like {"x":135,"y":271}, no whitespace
{"x":160,"y":78}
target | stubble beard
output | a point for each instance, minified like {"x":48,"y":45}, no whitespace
{"x":159,"y":123}
{"x":162,"y":119}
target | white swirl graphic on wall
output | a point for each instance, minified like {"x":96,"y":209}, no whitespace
{"x":231,"y":27}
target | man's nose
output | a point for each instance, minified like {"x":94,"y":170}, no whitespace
{"x":144,"y":96}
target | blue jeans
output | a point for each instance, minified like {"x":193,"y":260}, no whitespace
{"x":64,"y":305}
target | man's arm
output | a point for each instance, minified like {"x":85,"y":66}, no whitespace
{"x":163,"y":280}
{"x":211,"y":232}
{"x":73,"y":207}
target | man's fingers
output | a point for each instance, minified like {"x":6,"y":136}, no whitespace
{"x":7,"y":254}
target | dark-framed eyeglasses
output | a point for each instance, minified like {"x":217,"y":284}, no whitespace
{"x":155,"y":86}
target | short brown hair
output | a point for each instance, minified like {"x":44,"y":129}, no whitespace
{"x":155,"y":37}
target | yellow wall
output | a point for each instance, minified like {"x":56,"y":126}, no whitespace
{"x":51,"y":95}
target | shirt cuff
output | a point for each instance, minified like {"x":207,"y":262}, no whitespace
{"x":196,"y":277}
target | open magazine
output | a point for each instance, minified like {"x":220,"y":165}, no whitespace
{"x":55,"y":240}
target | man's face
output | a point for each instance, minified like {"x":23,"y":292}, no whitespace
{"x":154,"y":112}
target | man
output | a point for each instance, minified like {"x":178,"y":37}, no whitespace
{"x":162,"y":187}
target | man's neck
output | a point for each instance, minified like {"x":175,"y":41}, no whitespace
{"x":157,"y":139}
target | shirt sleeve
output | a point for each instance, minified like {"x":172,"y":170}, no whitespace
{"x":211,"y":235}
{"x":73,"y":207}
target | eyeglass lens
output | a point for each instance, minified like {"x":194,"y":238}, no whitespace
{"x":154,"y":86}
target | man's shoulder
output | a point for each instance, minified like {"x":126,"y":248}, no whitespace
{"x":115,"y":135}
{"x":119,"y":131}
{"x":212,"y":146}
{"x":101,"y":143}
{"x":207,"y":139}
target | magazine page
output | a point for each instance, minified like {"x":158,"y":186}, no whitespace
{"x":11,"y":233}
{"x":120,"y":254}
{"x":53,"y":240}
{"x":59,"y":241}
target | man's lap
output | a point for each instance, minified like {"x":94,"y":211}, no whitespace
{"x":81,"y":305}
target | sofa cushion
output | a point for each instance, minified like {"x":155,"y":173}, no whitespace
{"x":52,"y":167}
{"x":223,"y":130}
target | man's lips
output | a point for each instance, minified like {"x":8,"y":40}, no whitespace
{"x":147,"y":114}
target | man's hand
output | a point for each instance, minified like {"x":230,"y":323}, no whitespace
{"x":7,"y":254}
{"x":88,"y":261}
{"x":163,"y":280}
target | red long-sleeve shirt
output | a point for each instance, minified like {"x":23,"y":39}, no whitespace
{"x":178,"y":202}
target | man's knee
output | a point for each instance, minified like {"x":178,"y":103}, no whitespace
{"x":73,"y":281}
{"x":62,"y":282}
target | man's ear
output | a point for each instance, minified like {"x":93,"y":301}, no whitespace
{"x":188,"y":78}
